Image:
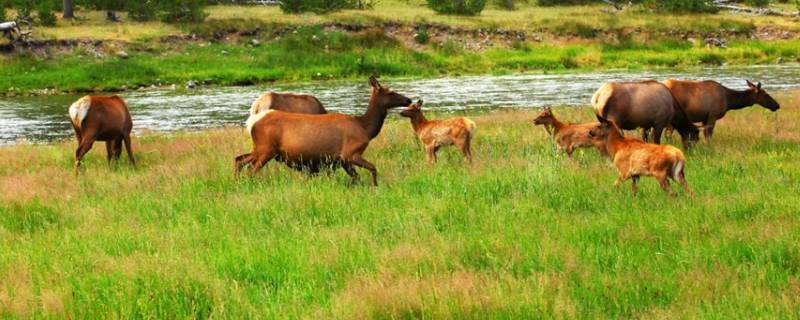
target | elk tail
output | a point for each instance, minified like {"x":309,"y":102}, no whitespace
{"x":470,"y":125}
{"x":600,"y":100}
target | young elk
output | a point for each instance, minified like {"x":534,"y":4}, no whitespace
{"x":315,"y":141}
{"x":437,"y":133}
{"x":106,"y":119}
{"x":568,"y":136}
{"x":635,"y":158}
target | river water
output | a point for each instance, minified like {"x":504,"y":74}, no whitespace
{"x":44,"y":118}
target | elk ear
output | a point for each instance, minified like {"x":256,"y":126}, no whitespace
{"x":419,"y":103}
{"x":374,"y":82}
{"x":750,"y":84}
{"x":758,"y":86}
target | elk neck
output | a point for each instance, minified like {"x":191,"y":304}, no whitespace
{"x":738,"y":99}
{"x":372,"y":120}
{"x":418,"y":121}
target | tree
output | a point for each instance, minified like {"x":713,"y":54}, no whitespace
{"x":68,"y":14}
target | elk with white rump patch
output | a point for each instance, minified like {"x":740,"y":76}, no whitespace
{"x":97,"y":118}
{"x":437,"y":133}
{"x":635,"y":158}
{"x":315,"y":141}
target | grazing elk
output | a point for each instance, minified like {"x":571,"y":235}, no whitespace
{"x":568,"y":136}
{"x":635,"y":158}
{"x":96,"y":118}
{"x":647,"y":105}
{"x":288,"y":102}
{"x":435,"y":134}
{"x":314,"y":141}
{"x":708,"y":101}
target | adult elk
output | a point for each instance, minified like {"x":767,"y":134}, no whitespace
{"x":97,"y":118}
{"x":635,"y":158}
{"x":708,"y":101}
{"x":568,"y":136}
{"x":435,"y":134}
{"x":314,"y":141}
{"x":647,"y":105}
{"x":288,"y":102}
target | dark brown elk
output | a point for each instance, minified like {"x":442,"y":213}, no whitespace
{"x":435,"y":134}
{"x":315,"y":141}
{"x":647,"y":105}
{"x":568,"y":136}
{"x":635,"y":158}
{"x":288,"y":102}
{"x":96,"y":118}
{"x":708,"y":101}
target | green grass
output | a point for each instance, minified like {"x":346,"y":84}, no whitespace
{"x":518,"y":234}
{"x":339,"y":55}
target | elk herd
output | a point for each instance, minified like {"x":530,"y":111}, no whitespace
{"x":298,"y":131}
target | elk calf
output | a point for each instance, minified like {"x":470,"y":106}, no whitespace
{"x":96,"y":118}
{"x":635,"y":158}
{"x":568,"y":136}
{"x":437,"y":133}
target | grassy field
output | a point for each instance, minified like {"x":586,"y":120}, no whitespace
{"x":572,"y":38}
{"x":520,"y":233}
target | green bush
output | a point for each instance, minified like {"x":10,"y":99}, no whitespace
{"x":3,"y":15}
{"x":681,"y":5}
{"x":507,"y":4}
{"x":45,"y":14}
{"x":422,"y":36}
{"x":323,"y":6}
{"x":758,"y":3}
{"x":182,"y":10}
{"x":24,"y":9}
{"x":458,"y":7}
{"x":548,"y":3}
{"x":141,"y":10}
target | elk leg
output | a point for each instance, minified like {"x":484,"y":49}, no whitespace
{"x":463,"y":145}
{"x":468,"y":149}
{"x":359,"y":161}
{"x":709,"y":131}
{"x":83,"y":148}
{"x":348,"y":167}
{"x":430,"y":154}
{"x":117,"y":148}
{"x":109,"y":150}
{"x":240,"y":162}
{"x":77,"y":133}
{"x":681,"y":178}
{"x":634,"y":181}
{"x":259,"y":158}
{"x":645,"y":134}
{"x":657,"y":131}
{"x":127,"y":139}
{"x":664,"y":183}
{"x":570,"y":149}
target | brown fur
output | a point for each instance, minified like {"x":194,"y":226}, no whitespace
{"x":635,"y":158}
{"x":647,"y":105}
{"x":437,"y":133}
{"x":288,"y":102}
{"x":107,"y":119}
{"x":708,"y":101}
{"x":568,"y":136}
{"x":314,"y":141}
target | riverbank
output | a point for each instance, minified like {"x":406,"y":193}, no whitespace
{"x":261,"y":45}
{"x":518,"y":233}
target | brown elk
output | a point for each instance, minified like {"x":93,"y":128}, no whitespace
{"x":708,"y":101}
{"x":647,"y":105}
{"x":568,"y":136}
{"x":635,"y":158}
{"x":314,"y":141}
{"x":96,"y":118}
{"x":288,"y":102}
{"x":435,"y":134}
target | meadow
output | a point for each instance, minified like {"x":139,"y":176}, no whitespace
{"x":520,"y":233}
{"x":304,"y":47}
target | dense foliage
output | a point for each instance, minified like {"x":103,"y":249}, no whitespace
{"x":458,"y":7}
{"x":323,"y":6}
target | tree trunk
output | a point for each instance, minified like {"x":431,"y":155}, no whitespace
{"x":68,"y":14}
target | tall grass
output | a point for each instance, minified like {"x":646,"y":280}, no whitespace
{"x":520,"y":233}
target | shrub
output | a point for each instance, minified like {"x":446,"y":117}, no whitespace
{"x":44,"y":13}
{"x":422,"y":36}
{"x":3,"y":15}
{"x":507,"y":4}
{"x":458,"y":7}
{"x":758,"y":3}
{"x":24,"y":9}
{"x":681,"y":5}
{"x":141,"y":10}
{"x":549,"y":3}
{"x":182,"y":10}
{"x":323,"y":6}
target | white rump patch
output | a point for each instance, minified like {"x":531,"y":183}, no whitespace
{"x":263,"y":100}
{"x":255,"y":118}
{"x":79,"y":109}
